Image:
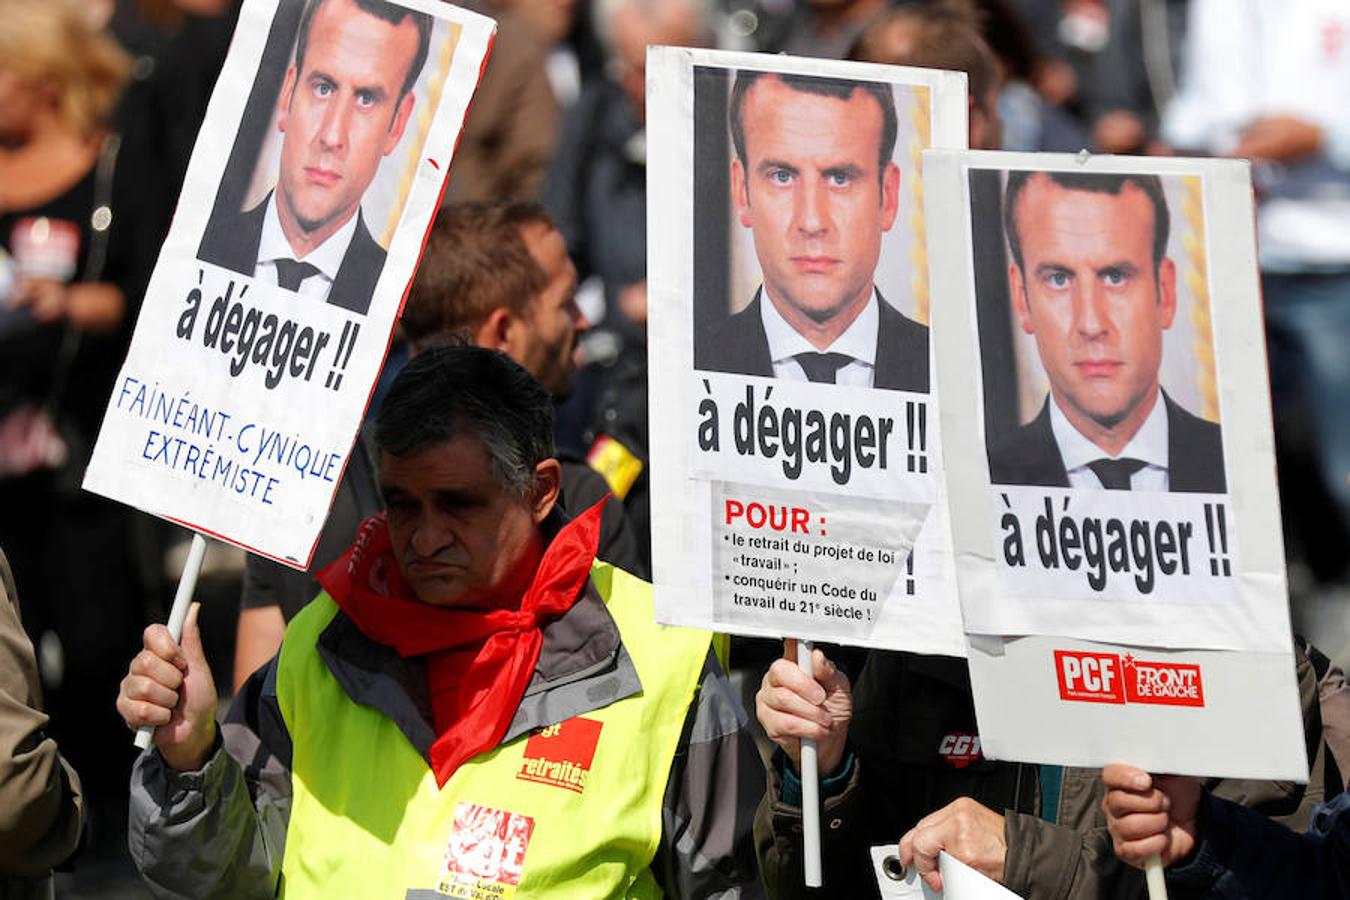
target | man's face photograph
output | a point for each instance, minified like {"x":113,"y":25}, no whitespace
{"x":1088,"y":290}
{"x":343,"y":109}
{"x":815,"y":196}
{"x":327,"y":150}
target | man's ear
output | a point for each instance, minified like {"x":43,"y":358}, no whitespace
{"x":1017,"y":289}
{"x":548,"y":483}
{"x":494,"y":332}
{"x":890,"y":195}
{"x":739,"y":192}
{"x":284,"y":101}
{"x":1167,"y":291}
{"x":401,"y":116}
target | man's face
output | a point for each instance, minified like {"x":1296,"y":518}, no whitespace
{"x":1091,"y":296}
{"x":341,"y":114}
{"x":461,"y":538}
{"x":815,"y":196}
{"x":544,"y":338}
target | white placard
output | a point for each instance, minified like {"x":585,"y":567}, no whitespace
{"x":242,"y":393}
{"x":1187,"y":712}
{"x":790,"y":506}
{"x":1119,"y":319}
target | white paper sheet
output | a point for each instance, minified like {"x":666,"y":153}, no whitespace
{"x":959,"y":881}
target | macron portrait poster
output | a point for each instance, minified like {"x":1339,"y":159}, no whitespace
{"x":314,"y":180}
{"x":795,"y":450}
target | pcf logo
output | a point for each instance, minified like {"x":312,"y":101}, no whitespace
{"x":1089,"y":677}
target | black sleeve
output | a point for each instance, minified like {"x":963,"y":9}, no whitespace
{"x":1244,"y":854}
{"x":583,"y":487}
{"x":268,"y":583}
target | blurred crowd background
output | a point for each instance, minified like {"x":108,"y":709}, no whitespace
{"x":112,"y":92}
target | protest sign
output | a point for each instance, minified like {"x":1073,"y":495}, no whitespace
{"x":312,"y":185}
{"x":785,"y":219}
{"x":1111,"y":319}
{"x":1114,"y":505}
{"x":1222,"y":713}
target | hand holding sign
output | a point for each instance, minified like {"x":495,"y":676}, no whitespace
{"x":169,"y":688}
{"x":1150,"y":816}
{"x":794,"y":707}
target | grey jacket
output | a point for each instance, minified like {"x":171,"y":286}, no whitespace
{"x":40,"y":802}
{"x":220,"y":831}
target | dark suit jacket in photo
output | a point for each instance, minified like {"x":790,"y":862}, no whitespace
{"x":1029,"y":455}
{"x":740,"y":346}
{"x":232,"y":242}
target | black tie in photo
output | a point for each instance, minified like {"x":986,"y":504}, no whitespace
{"x":291,"y":272}
{"x":822,"y":367}
{"x":1114,"y":474}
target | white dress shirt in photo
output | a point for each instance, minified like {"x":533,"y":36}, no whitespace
{"x":327,"y":257}
{"x":859,"y":341}
{"x":1149,"y":445}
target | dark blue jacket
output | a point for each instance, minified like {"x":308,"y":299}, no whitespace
{"x":1245,"y":855}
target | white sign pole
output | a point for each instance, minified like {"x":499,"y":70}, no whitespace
{"x":1153,"y":873}
{"x":181,"y":601}
{"x":810,"y":788}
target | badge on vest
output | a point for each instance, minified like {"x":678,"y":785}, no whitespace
{"x":560,"y":755}
{"x":486,"y":853}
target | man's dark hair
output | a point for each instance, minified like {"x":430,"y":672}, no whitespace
{"x":388,"y":12}
{"x":1094,"y":182}
{"x":838,"y":88}
{"x":446,"y":392}
{"x":475,"y":261}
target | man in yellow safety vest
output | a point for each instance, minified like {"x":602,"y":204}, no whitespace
{"x":475,"y":707}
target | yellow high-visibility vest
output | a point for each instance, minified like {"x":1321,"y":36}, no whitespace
{"x":573,"y":809}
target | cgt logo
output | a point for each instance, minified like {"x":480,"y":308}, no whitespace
{"x":561,"y":755}
{"x":959,"y":750}
{"x":1109,"y":678}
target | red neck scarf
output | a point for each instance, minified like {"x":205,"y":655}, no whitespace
{"x":478,"y":662}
